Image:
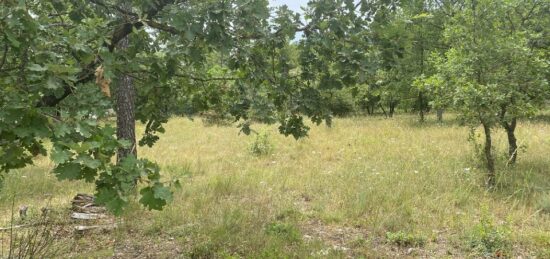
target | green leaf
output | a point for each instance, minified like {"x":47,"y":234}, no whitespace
{"x":68,"y":171}
{"x":52,"y":83}
{"x":60,"y":156}
{"x":37,"y":68}
{"x":155,"y":198}
{"x":87,"y":161}
{"x":111,"y":199}
{"x":61,"y":129}
{"x":83,"y":130}
{"x":14,"y":42}
{"x":162,"y":192}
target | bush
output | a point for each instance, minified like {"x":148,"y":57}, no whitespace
{"x":401,"y":238}
{"x":341,"y":103}
{"x":35,"y":239}
{"x":489,"y":239}
{"x":213,"y":118}
{"x":261,"y":145}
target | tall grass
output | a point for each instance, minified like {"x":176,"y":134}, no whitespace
{"x":341,"y":192}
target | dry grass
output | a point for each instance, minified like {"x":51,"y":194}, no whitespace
{"x":339,"y":193}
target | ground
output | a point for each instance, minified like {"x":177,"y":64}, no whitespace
{"x":366,"y":187}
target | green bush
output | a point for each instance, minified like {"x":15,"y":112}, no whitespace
{"x":489,"y":239}
{"x":401,"y":238}
{"x":213,"y":118}
{"x":341,"y":103}
{"x":261,"y":145}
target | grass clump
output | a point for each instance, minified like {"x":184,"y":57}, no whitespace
{"x":544,"y":203}
{"x":285,"y":231}
{"x":402,"y":238}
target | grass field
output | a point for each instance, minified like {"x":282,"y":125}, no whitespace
{"x":366,"y":187}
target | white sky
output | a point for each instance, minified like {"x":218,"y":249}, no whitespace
{"x":292,"y":4}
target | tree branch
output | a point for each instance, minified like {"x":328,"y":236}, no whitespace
{"x":207,"y":79}
{"x":87,"y":73}
{"x":118,"y":8}
{"x":162,"y":27}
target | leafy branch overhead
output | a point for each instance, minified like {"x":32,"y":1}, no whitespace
{"x":60,"y":60}
{"x":63,"y":65}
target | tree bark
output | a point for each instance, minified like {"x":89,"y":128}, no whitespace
{"x":392,"y":108}
{"x":421,"y":105}
{"x":125,"y":108}
{"x":489,"y":155}
{"x":512,"y":140}
{"x":383,"y":110}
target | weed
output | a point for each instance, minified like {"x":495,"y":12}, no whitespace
{"x":358,"y":242}
{"x":490,"y":239}
{"x":33,"y":238}
{"x":289,"y":214}
{"x":402,"y":238}
{"x":285,"y":231}
{"x":261,"y":145}
{"x":203,"y":250}
{"x":544,"y":203}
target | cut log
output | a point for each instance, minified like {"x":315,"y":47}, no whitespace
{"x":84,"y":228}
{"x":87,"y":216}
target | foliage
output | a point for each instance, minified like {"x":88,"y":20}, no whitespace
{"x":341,"y":103}
{"x":490,"y":75}
{"x":241,"y":61}
{"x":286,"y":231}
{"x":261,"y":145}
{"x":51,"y":52}
{"x":490,"y":239}
{"x":401,"y":238}
{"x":36,"y":240}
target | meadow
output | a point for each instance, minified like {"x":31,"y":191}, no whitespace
{"x":367,"y":187}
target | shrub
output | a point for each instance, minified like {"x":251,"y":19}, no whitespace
{"x":213,"y":118}
{"x":35,"y":239}
{"x":341,"y":103}
{"x":261,"y":145}
{"x":401,"y":238}
{"x":490,"y":239}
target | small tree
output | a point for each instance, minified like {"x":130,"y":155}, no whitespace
{"x":491,"y":76}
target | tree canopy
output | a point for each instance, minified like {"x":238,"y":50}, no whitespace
{"x":63,"y":65}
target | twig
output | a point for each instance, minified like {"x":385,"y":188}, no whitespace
{"x":15,"y":227}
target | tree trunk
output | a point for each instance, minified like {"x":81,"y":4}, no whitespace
{"x":383,"y":110}
{"x":392,"y":109}
{"x":512,"y":141}
{"x":440,"y":115}
{"x":421,"y":105}
{"x":370,"y":109}
{"x":125,"y":105}
{"x":489,"y":155}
